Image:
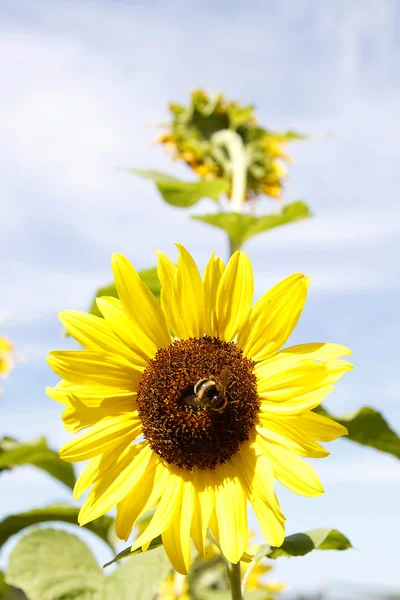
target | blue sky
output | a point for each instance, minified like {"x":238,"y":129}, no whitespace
{"x":85,"y":85}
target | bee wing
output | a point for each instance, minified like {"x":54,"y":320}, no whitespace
{"x":224,"y":378}
{"x":194,"y":401}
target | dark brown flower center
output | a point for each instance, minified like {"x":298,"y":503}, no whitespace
{"x":198,"y":402}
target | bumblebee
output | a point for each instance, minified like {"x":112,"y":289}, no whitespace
{"x":211,"y":393}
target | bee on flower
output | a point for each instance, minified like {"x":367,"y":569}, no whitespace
{"x":193,"y":406}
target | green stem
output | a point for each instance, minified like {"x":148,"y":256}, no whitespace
{"x":234,"y":578}
{"x":233,"y":247}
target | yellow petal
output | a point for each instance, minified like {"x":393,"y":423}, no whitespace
{"x":234,"y":296}
{"x":142,"y":497}
{"x":256,"y":474}
{"x":76,"y":415}
{"x":297,"y":405}
{"x":166,"y":510}
{"x":86,"y":478}
{"x":190,"y":295}
{"x":284,"y":432}
{"x":320,"y":351}
{"x":272,"y":528}
{"x":203,"y":507}
{"x":291,"y":471}
{"x":131,"y":335}
{"x":90,"y":395}
{"x":272,"y":320}
{"x":278,"y":382}
{"x":139,"y":303}
{"x":166,"y":271}
{"x":319,"y":427}
{"x":103,"y":437}
{"x":110,"y":488}
{"x":176,"y":537}
{"x":94,"y":333}
{"x":94,"y":367}
{"x":212,"y":277}
{"x":231,"y":512}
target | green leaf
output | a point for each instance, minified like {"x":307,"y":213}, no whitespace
{"x":50,"y":564}
{"x":54,"y":564}
{"x":102,"y":527}
{"x":241,"y":227}
{"x":126,"y":552}
{"x":139,"y":578}
{"x":184,"y":193}
{"x":368,"y":427}
{"x":38,"y":454}
{"x":301,"y":544}
{"x":148,"y":276}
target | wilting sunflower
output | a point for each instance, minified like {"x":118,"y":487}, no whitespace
{"x":192,"y":406}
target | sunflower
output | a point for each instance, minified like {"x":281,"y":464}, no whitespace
{"x":6,"y":356}
{"x":153,"y":442}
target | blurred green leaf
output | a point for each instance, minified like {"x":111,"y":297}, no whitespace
{"x":126,"y":552}
{"x":138,"y":579}
{"x":148,"y":276}
{"x":50,"y":564}
{"x":104,"y":527}
{"x":301,"y":544}
{"x":184,"y":193}
{"x":368,"y":427}
{"x":47,"y":563}
{"x":36,"y":453}
{"x":241,"y":227}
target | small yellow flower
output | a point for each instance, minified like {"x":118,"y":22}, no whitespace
{"x":192,"y":405}
{"x":175,"y":587}
{"x":6,"y":356}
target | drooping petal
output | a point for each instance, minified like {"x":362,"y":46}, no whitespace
{"x":103,"y":437}
{"x":319,"y":427}
{"x":166,"y":510}
{"x":272,"y":320}
{"x":176,"y":537}
{"x":231,"y":512}
{"x":234,"y":296}
{"x":291,"y":471}
{"x":142,"y":497}
{"x":86,"y":478}
{"x":212,"y":277}
{"x":204,"y":499}
{"x":256,"y":474}
{"x":139,"y":303}
{"x":94,"y":367}
{"x":126,"y":472}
